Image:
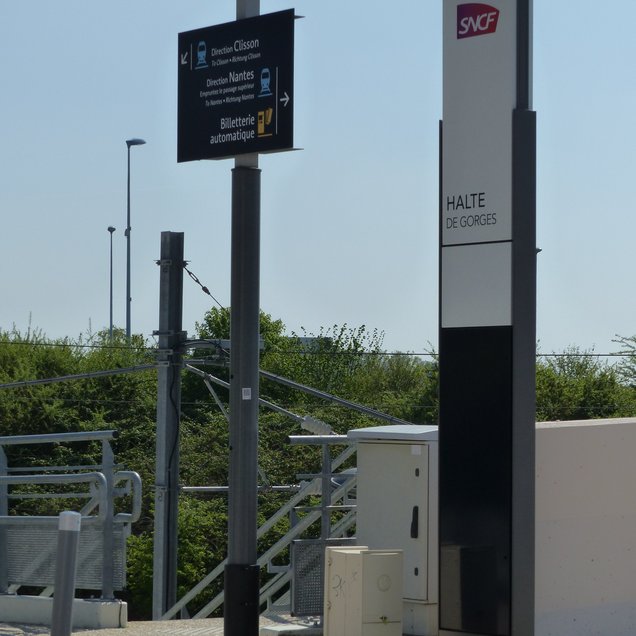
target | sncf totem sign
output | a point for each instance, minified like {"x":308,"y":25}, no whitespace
{"x":487,"y":322}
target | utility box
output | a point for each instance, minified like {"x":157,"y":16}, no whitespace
{"x":397,"y":507}
{"x":585,"y":532}
{"x":363,"y":592}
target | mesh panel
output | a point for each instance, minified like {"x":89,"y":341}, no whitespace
{"x":32,"y":556}
{"x":308,"y":574}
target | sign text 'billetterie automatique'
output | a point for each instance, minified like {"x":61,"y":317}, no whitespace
{"x":236,"y":88}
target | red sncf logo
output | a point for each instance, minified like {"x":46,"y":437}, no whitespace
{"x":476,"y":19}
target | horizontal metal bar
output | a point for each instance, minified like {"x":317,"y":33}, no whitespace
{"x":50,"y":438}
{"x":92,"y":478}
{"x":206,"y":344}
{"x":318,"y":440}
{"x":77,"y":478}
{"x":25,"y":520}
{"x":215,"y":344}
{"x":319,"y":507}
{"x":56,"y":469}
{"x":347,"y":476}
{"x":51,"y":495}
{"x":224,"y":489}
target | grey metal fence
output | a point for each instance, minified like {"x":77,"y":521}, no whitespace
{"x":27,"y":542}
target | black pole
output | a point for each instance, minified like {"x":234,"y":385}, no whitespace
{"x":241,"y":574}
{"x":111,"y":229}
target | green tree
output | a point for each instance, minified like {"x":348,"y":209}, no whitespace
{"x":401,"y":385}
{"x":577,"y":385}
{"x":627,"y":365}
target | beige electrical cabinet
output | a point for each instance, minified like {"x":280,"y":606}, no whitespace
{"x":363,"y":592}
{"x":397,"y":508}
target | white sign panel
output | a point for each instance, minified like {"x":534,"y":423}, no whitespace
{"x":480,"y":58}
{"x":477,"y":285}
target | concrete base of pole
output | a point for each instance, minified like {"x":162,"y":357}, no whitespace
{"x":87,"y":614}
{"x":241,"y":611}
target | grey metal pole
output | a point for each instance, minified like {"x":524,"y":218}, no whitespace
{"x":164,"y":593}
{"x":108,"y":572}
{"x":524,"y":285}
{"x":241,"y":608}
{"x":247,"y":8}
{"x":66,"y":565}
{"x":241,"y":573}
{"x":4,"y":510}
{"x":128,"y":298}
{"x":111,"y":229}
{"x":325,"y":492}
{"x":129,"y":143}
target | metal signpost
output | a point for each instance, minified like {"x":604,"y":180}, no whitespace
{"x":236,"y":88}
{"x":487,"y":321}
{"x":236,"y":100}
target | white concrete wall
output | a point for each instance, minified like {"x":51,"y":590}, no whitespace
{"x":586,"y":528}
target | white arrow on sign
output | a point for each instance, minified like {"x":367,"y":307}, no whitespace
{"x":184,"y":58}
{"x":285,"y":99}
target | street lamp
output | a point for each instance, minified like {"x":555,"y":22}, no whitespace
{"x":129,"y":143}
{"x":111,"y":229}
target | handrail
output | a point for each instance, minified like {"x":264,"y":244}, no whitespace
{"x":318,"y":440}
{"x":135,"y":483}
{"x":308,"y":489}
{"x":96,"y":502}
{"x":51,"y":438}
{"x":92,"y":478}
{"x":280,"y":545}
{"x":311,"y":487}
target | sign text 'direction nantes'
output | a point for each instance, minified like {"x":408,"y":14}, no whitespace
{"x":236,"y":88}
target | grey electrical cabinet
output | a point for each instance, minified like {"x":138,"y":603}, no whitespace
{"x":397,"y":509}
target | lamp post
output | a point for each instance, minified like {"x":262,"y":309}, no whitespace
{"x":129,"y":143}
{"x":111,"y":229}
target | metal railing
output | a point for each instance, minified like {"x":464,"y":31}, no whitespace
{"x":331,"y":492}
{"x":29,"y":561}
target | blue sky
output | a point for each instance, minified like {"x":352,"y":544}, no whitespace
{"x":350,"y":223}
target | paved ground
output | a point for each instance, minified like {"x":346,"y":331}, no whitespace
{"x":199,"y":627}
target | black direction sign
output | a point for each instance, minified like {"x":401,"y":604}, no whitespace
{"x":236,"y":88}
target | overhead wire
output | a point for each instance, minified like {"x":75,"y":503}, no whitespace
{"x":201,"y":285}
